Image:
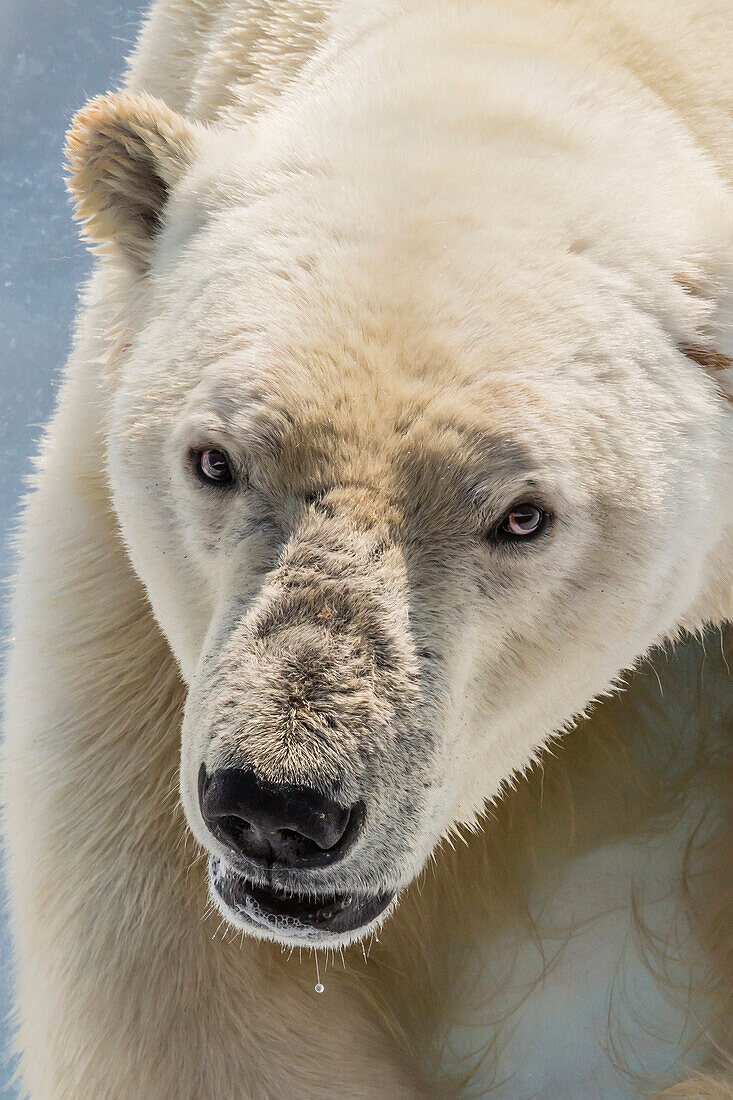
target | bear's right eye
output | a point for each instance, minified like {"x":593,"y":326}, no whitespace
{"x":213,"y":467}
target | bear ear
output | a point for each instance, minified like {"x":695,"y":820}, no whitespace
{"x":124,"y":154}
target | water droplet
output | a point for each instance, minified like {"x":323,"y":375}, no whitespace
{"x":318,"y":986}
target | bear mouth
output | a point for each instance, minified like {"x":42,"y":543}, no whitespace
{"x":287,"y":914}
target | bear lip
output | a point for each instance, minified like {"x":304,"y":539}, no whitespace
{"x":289,"y":911}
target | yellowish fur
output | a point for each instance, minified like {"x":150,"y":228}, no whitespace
{"x":130,"y":987}
{"x":612,"y":780}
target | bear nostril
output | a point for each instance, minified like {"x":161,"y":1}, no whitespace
{"x":234,"y":828}
{"x":269,"y":823}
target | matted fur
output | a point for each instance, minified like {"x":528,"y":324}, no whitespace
{"x":405,"y":259}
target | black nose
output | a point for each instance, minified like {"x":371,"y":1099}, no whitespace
{"x":276,"y":823}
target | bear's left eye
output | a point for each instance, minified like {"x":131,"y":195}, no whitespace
{"x":523,"y":521}
{"x":213,"y":467}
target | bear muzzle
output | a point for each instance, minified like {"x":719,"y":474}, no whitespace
{"x":268,"y":826}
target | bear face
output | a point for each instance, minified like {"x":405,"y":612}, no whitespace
{"x":401,"y":508}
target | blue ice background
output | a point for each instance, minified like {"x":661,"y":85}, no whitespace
{"x":54,"y":54}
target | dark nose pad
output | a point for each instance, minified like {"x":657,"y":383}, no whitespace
{"x":272,"y":823}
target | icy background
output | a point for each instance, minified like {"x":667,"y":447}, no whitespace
{"x":54,"y":54}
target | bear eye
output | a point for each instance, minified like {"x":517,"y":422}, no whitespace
{"x":213,"y":467}
{"x":523,"y":521}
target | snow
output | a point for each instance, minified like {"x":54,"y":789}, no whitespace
{"x":54,"y":54}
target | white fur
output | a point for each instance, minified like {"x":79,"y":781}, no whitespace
{"x":385,"y":233}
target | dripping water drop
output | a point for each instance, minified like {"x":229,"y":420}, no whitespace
{"x":318,"y":986}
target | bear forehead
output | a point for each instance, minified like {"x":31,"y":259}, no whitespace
{"x":397,"y":436}
{"x":311,"y":412}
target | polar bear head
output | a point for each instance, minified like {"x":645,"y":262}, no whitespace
{"x":410,"y":478}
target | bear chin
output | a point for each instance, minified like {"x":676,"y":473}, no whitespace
{"x":332,"y":920}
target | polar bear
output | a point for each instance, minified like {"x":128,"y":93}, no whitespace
{"x":397,"y":431}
